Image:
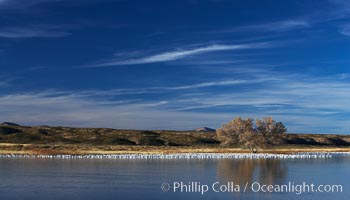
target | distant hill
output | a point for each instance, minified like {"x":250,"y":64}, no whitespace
{"x":9,"y":124}
{"x":16,"y":134}
{"x":205,"y":129}
{"x":13,"y":133}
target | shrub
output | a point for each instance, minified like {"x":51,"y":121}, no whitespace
{"x":230,"y":131}
{"x":263,"y":133}
{"x":9,"y":130}
{"x":43,"y":132}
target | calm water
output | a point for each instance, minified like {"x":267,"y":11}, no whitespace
{"x":78,"y":179}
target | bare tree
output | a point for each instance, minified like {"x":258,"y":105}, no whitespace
{"x":244,"y":132}
{"x":272,"y":131}
{"x":230,"y":131}
{"x":251,"y":140}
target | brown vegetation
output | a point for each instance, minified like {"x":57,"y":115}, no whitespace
{"x":66,"y":140}
{"x":265,"y":132}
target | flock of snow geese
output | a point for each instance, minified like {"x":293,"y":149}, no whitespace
{"x":304,"y":155}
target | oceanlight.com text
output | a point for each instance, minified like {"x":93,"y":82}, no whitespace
{"x":227,"y":187}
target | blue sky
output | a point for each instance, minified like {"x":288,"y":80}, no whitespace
{"x":175,"y":64}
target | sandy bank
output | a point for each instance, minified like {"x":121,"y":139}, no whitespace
{"x":305,"y":155}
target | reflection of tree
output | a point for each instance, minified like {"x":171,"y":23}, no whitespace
{"x":240,"y":171}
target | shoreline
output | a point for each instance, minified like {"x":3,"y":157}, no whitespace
{"x":38,"y":149}
{"x":83,"y":150}
{"x":187,"y":156}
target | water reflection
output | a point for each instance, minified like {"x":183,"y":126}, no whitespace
{"x":241,"y":171}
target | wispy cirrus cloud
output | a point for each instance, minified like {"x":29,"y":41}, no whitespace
{"x":219,"y":83}
{"x":34,"y":31}
{"x":3,"y":83}
{"x":180,"y":54}
{"x":314,"y":94}
{"x":343,"y":76}
{"x":344,"y":29}
{"x":302,"y":102}
{"x":169,"y":89}
{"x":74,"y":110}
{"x":209,"y":84}
{"x":277,"y":26}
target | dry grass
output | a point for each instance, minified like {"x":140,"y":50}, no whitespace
{"x":33,"y":149}
{"x":66,"y":140}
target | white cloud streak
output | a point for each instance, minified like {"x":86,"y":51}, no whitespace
{"x":219,"y":83}
{"x":299,"y":93}
{"x":71,"y":110}
{"x":210,"y":84}
{"x":180,"y":54}
{"x":2,"y":84}
{"x":305,"y":104}
{"x":32,"y":32}
{"x":345,"y":30}
{"x":149,"y":90}
{"x":278,"y":26}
